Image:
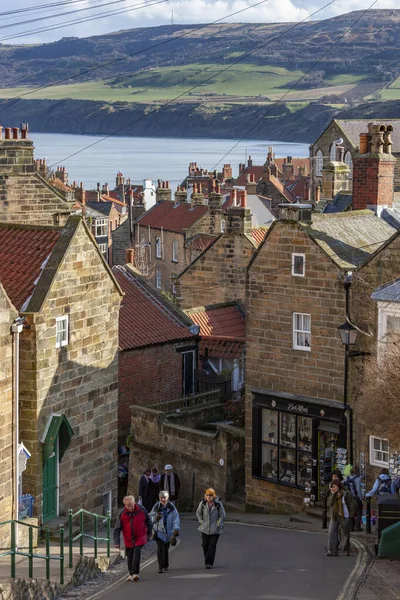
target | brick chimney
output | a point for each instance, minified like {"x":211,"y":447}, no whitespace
{"x":270,"y":156}
{"x":62,"y":174}
{"x":373,"y":171}
{"x":227,"y":172}
{"x":130,"y":256}
{"x":181,"y":195}
{"x":215,"y":205}
{"x":335,"y":178}
{"x":251,"y":184}
{"x":249,"y":162}
{"x":287,"y":169}
{"x":239,"y":217}
{"x":197,"y":195}
{"x":119,"y":180}
{"x":105,"y":189}
{"x":163,"y":192}
{"x":16,"y":151}
{"x":41,"y":166}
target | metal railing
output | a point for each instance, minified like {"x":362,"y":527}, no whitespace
{"x":13,"y":552}
{"x":189,"y":402}
{"x":81,"y":535}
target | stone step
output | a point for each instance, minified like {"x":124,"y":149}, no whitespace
{"x":232,"y":506}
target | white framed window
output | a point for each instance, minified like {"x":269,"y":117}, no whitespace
{"x":103,"y":250}
{"x":332,"y":152}
{"x":349,"y":162}
{"x":319,"y":163}
{"x":223,"y":226}
{"x":298,"y":264}
{"x":378,"y":451}
{"x":158,"y":248}
{"x":175,"y":246}
{"x":158,"y":279}
{"x":100,"y":227}
{"x":61,"y":331}
{"x":302,"y":331}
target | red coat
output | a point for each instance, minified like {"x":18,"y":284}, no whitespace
{"x":135,"y":527}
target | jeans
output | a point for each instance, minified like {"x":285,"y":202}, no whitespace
{"x":333,"y":541}
{"x":162,"y":554}
{"x":133,"y":556}
{"x":209,"y":544}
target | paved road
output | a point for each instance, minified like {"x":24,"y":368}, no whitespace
{"x":256,"y":563}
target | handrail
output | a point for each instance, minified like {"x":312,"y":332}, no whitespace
{"x":188,"y":402}
{"x":31,"y":555}
{"x":81,"y":535}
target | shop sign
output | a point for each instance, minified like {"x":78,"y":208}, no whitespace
{"x":299,"y":408}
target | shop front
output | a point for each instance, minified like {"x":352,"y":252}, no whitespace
{"x":297,"y":440}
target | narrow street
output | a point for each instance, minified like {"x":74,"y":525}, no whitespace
{"x":252,"y":562}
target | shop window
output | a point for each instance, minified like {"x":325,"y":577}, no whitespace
{"x":298,"y":265}
{"x":378,"y":452}
{"x":286,"y":447}
{"x":301,"y":331}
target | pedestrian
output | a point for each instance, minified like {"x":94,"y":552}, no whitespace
{"x":135,"y":524}
{"x":166,"y":526}
{"x":211,"y":515}
{"x":342,"y":509}
{"x":383,"y":485}
{"x":353,"y":482}
{"x":144,"y":482}
{"x":153,"y":489}
{"x":170,"y":482}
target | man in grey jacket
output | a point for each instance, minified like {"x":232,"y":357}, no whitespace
{"x":211,"y":515}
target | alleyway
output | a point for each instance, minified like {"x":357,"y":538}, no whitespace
{"x":252,"y":562}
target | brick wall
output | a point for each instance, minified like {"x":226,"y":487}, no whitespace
{"x":373,"y":178}
{"x":219,"y":275}
{"x":147,"y":376}
{"x":7,"y":314}
{"x":79,"y":380}
{"x":271,"y":362}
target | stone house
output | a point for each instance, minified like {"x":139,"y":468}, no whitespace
{"x":218,"y":274}
{"x":157,"y":348}
{"x":25,"y":195}
{"x":172,"y":233}
{"x":340,"y":141}
{"x":298,"y":421}
{"x":57,"y":279}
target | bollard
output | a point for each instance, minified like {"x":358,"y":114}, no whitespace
{"x":324,"y":513}
{"x":368,"y":516}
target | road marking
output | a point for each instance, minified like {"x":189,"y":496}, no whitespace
{"x":198,"y":576}
{"x":274,"y":597}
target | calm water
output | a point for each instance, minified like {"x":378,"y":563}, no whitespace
{"x":156,"y":158}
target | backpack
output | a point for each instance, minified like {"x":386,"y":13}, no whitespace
{"x":217,"y":504}
{"x":351,"y":482}
{"x":384,"y":486}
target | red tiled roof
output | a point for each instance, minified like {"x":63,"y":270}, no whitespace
{"x":106,"y":198}
{"x":258,"y":171}
{"x":259,"y":234}
{"x":144,"y":318}
{"x":201,"y":242}
{"x":57,"y":183}
{"x":221,"y":348}
{"x":221,"y":321}
{"x":172,"y":217}
{"x":24,"y":251}
{"x":300,"y":187}
{"x":296,"y":162}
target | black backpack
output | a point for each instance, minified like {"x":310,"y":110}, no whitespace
{"x":384,"y":486}
{"x":217,"y":504}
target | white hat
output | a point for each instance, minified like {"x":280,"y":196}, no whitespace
{"x":168,"y":468}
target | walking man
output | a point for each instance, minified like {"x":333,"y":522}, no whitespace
{"x":135,"y":524}
{"x":170,"y":483}
{"x":353,"y":482}
{"x":211,"y":515}
{"x":166,"y":526}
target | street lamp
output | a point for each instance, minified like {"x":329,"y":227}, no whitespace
{"x":348,"y":334}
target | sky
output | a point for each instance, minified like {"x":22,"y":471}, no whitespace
{"x":14,"y":28}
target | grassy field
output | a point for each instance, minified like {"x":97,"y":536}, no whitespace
{"x":189,"y":82}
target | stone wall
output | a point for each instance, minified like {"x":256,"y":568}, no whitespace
{"x":195,"y":455}
{"x":219,"y":275}
{"x":147,"y":376}
{"x":7,"y":315}
{"x":271,"y":362}
{"x":79,"y":380}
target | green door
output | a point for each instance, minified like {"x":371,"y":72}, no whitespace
{"x":50,"y":487}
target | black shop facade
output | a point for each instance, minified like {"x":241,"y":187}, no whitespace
{"x":297,"y":440}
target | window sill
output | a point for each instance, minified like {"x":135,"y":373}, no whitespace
{"x":289,"y":485}
{"x":302,"y":349}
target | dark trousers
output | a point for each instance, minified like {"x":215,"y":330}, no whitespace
{"x":333,"y":533}
{"x":357,"y":520}
{"x":162,"y":554}
{"x":133,"y":556}
{"x":209,"y":544}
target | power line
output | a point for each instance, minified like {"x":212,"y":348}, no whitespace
{"x":111,"y":62}
{"x":193,"y":87}
{"x":297,"y":82}
{"x":39,"y":7}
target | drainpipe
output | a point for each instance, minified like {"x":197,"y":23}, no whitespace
{"x":16,"y":329}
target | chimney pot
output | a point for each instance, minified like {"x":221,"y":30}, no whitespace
{"x":7,"y":133}
{"x":1,"y":132}
{"x":243,"y":199}
{"x":15,"y":131}
{"x":130,"y":256}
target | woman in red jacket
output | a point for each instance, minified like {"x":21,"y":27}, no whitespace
{"x":134,"y":522}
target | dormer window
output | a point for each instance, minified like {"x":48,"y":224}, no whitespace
{"x":298,"y":265}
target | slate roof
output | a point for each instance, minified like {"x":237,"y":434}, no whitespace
{"x":340,"y":203}
{"x":24,"y":251}
{"x":171,"y":216}
{"x":145,"y":317}
{"x":391,"y":216}
{"x":102,"y":207}
{"x":353,"y":127}
{"x":349,"y":238}
{"x":389,"y":292}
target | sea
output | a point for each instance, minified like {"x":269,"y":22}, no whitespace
{"x":97,"y":159}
